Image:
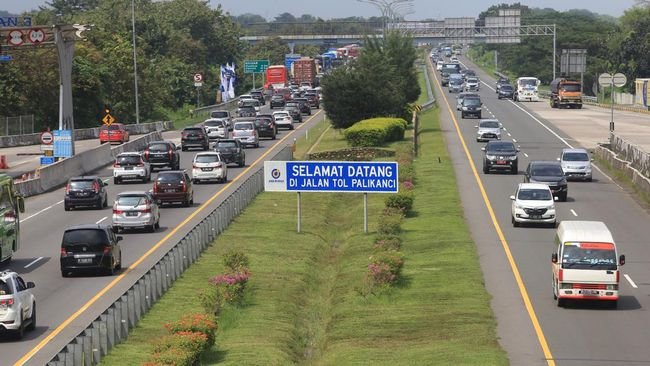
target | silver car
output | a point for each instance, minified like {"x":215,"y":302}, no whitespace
{"x":283,"y":119}
{"x":488,"y":129}
{"x":576,"y":164}
{"x":246,"y":133}
{"x":472,"y":83}
{"x":136,"y":209}
{"x":216,"y":128}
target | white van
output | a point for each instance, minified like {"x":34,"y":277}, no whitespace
{"x":585,"y":265}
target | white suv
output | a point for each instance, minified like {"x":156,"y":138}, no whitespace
{"x":533,"y":203}
{"x":130,"y":165}
{"x":17,"y":304}
{"x":209,"y":166}
{"x":576,"y":164}
{"x":283,"y":119}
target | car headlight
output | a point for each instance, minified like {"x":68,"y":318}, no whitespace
{"x":513,"y":157}
{"x":490,"y":157}
{"x":464,"y":108}
{"x":518,"y":206}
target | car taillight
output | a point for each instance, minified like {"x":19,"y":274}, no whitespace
{"x":63,"y":253}
{"x":7,"y":303}
{"x":146,"y":210}
{"x":155,"y":188}
{"x":107,"y":249}
{"x":171,"y":154}
{"x":194,"y":165}
{"x":67,"y":189}
{"x":116,"y":165}
{"x":183,"y":186}
{"x":117,"y":212}
{"x":218,"y":165}
{"x":96,"y":187}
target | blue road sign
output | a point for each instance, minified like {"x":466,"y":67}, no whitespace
{"x":5,"y":58}
{"x":331,"y":176}
{"x":62,"y":143}
{"x":45,"y":160}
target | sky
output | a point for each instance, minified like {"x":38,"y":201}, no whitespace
{"x":326,"y":9}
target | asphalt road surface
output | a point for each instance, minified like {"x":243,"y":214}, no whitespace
{"x":59,"y":298}
{"x":531,"y":327}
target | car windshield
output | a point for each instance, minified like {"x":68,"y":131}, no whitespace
{"x":471,"y":102}
{"x":489,"y":124}
{"x":207,"y":158}
{"x":575,"y":156}
{"x":4,"y":288}
{"x":293,"y":104}
{"x":250,"y":103}
{"x":219,"y":114}
{"x":81,"y":184}
{"x":169,"y":177}
{"x":128,"y":159}
{"x":213,"y":123}
{"x":277,"y":97}
{"x":528,"y":82}
{"x":535,"y":195}
{"x":84,"y":236}
{"x":131,"y":200}
{"x":571,"y":87}
{"x":158,"y":147}
{"x":506,"y":87}
{"x":193,"y":130}
{"x":455,"y":82}
{"x":246,"y":108}
{"x":501,"y":147}
{"x":547,"y":171}
{"x":243,"y":126}
{"x":112,"y":127}
{"x":226,"y":144}
{"x":589,"y":256}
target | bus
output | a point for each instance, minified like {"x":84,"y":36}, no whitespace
{"x":12,"y":205}
{"x":276,"y":77}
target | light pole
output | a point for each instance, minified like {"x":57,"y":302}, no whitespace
{"x":135,"y":65}
{"x":385,"y":8}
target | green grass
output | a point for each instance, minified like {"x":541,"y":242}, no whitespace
{"x":423,"y":89}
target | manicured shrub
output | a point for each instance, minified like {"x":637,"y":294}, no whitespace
{"x":213,"y":298}
{"x":375,"y":131}
{"x":385,"y":267}
{"x":203,"y":323}
{"x":390,"y":222}
{"x":402,"y":201}
{"x":193,"y":342}
{"x":407,"y":185}
{"x":233,"y":285}
{"x":406,"y":172}
{"x":235,"y":261}
{"x":388,"y":242}
{"x":173,"y":357}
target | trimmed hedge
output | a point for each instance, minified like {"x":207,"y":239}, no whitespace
{"x":352,"y":154}
{"x":375,"y":131}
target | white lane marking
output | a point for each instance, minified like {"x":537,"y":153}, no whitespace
{"x":526,"y":155}
{"x":41,"y":211}
{"x":509,"y":134}
{"x":514,"y":140}
{"x":33,"y":262}
{"x":574,"y":213}
{"x":102,"y":219}
{"x":630,"y":281}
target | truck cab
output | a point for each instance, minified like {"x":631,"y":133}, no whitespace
{"x":565,"y":93}
{"x":585,"y":264}
{"x":526,"y":89}
{"x":11,"y":205}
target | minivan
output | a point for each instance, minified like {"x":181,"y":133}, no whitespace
{"x":91,"y":247}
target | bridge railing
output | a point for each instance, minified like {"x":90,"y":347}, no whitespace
{"x":312,"y":28}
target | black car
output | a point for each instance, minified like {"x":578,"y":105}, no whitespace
{"x":246,"y":111}
{"x":277,"y":101}
{"x":85,"y":191}
{"x":294,"y":112}
{"x":506,"y":91}
{"x":231,"y":151}
{"x":502,"y":81}
{"x":471,"y":107}
{"x":301,"y":104}
{"x":313,"y":99}
{"x":550,"y":173}
{"x":90,"y":247}
{"x":258,"y":95}
{"x":500,"y":155}
{"x":266,"y":127}
{"x":162,"y":154}
{"x":194,"y":137}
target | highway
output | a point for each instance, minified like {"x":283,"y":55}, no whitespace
{"x":59,"y":298}
{"x":516,"y":261}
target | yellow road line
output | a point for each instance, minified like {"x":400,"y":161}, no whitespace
{"x":162,"y":241}
{"x":506,"y":248}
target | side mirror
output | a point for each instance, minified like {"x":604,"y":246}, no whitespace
{"x":555,"y":198}
{"x":621,"y":259}
{"x":20,"y":200}
{"x":512,"y":198}
{"x":120,"y":238}
{"x":31,"y":285}
{"x":475,"y":126}
{"x":483,"y":149}
{"x":554,"y":258}
{"x":558,"y":159}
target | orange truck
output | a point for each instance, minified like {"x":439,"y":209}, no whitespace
{"x":566,"y":93}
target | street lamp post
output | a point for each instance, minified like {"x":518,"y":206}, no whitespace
{"x":385,"y":8}
{"x":135,"y":65}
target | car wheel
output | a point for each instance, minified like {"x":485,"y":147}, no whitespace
{"x":291,"y":127}
{"x":514,"y":222}
{"x":111,"y":270}
{"x":118,"y":229}
{"x":514,"y":170}
{"x":257,"y":144}
{"x":32,"y":319}
{"x":20,"y":332}
{"x":486,"y":170}
{"x":116,"y":180}
{"x":462,"y":115}
{"x":66,"y":207}
{"x":192,"y":199}
{"x":64,"y":274}
{"x":560,"y":302}
{"x":100,"y":203}
{"x":241,"y":163}
{"x":186,"y":203}
{"x":563,"y":197}
{"x":151,"y":228}
{"x":183,"y":148}
{"x":177,"y":166}
{"x":157,"y":224}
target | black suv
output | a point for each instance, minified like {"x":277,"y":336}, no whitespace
{"x":277,"y":100}
{"x":471,"y":107}
{"x":506,"y":91}
{"x":90,"y":247}
{"x":231,"y":151}
{"x":294,"y":112}
{"x":194,"y":137}
{"x":502,"y":81}
{"x":161,"y":154}
{"x":500,"y":155}
{"x":85,"y":191}
{"x":258,"y":95}
{"x":301,"y":104}
{"x":266,"y":127}
{"x":550,"y":173}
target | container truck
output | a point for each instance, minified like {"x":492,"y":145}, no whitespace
{"x":304,"y":71}
{"x":566,"y":93}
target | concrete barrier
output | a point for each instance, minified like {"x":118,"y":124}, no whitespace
{"x":84,"y":133}
{"x":640,"y":181}
{"x":56,"y":175}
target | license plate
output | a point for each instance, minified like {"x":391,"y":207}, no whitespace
{"x":82,"y":194}
{"x":84,"y":260}
{"x":590,"y":292}
{"x":535,"y":217}
{"x":129,"y":168}
{"x":206,"y":169}
{"x":170,"y":190}
{"x":131,"y":213}
{"x":501,"y":162}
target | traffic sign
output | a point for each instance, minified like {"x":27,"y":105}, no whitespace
{"x":62,"y":143}
{"x":108,"y":120}
{"x":36,"y":36}
{"x":198,"y":78}
{"x":15,"y":37}
{"x":47,"y":138}
{"x":331,"y":176}
{"x":5,"y":58}
{"x":255,"y":66}
{"x":45,"y":160}
{"x":605,"y":79}
{"x":198,"y":84}
{"x":619,"y":80}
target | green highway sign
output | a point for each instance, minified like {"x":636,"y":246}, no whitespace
{"x":255,"y":66}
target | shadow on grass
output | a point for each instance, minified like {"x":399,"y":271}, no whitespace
{"x":213,"y":356}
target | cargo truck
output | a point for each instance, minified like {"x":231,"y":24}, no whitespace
{"x":276,"y":77}
{"x":566,"y":93}
{"x":12,"y":205}
{"x":526,"y":89}
{"x":304,"y":71}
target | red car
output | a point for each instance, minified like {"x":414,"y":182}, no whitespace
{"x":116,"y":132}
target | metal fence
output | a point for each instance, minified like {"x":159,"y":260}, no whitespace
{"x":114,"y":324}
{"x":19,"y":125}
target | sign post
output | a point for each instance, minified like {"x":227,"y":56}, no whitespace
{"x":331,"y":176}
{"x":616,"y":80}
{"x":198,"y":83}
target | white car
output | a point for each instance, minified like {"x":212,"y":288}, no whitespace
{"x":576,"y":164}
{"x":252,"y":103}
{"x":17,"y":304}
{"x":136,"y":209}
{"x":488,"y":129}
{"x":533,"y":203}
{"x":216,"y":128}
{"x":131,"y":166}
{"x":209,"y":166}
{"x":439,"y":65}
{"x":246,"y":133}
{"x":283,"y":119}
{"x":242,"y":98}
{"x":472,"y":83}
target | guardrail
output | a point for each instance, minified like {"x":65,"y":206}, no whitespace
{"x":230,"y":105}
{"x":114,"y":323}
{"x":432,"y":100}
